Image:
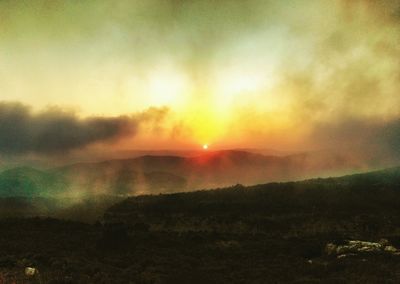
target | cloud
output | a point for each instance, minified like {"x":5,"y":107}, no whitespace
{"x":318,"y":61}
{"x":57,"y":131}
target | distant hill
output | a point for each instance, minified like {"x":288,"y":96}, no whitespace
{"x":164,"y":174}
{"x":354,"y":204}
{"x":85,"y":181}
{"x":119,"y":178}
{"x":219,"y":168}
{"x":29,"y":182}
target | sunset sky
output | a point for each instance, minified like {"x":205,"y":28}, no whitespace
{"x":175,"y":74}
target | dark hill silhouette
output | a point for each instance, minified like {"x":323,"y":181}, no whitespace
{"x":352,"y":204}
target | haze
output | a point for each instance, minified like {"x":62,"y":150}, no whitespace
{"x":286,"y":75}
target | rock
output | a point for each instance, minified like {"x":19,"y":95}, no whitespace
{"x":342,"y":249}
{"x":365,"y":246}
{"x":31,"y":271}
{"x":356,"y":246}
{"x":369,"y":249}
{"x":390,"y":249}
{"x":345,"y":255}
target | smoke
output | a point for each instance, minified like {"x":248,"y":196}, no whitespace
{"x":249,"y":73}
{"x":58,"y":131}
{"x":378,"y":139}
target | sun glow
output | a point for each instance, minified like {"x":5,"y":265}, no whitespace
{"x":205,"y":146}
{"x":233,"y":83}
{"x":167,"y":87}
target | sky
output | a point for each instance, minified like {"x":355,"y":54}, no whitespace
{"x":175,"y":74}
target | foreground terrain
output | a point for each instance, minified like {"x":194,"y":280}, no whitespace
{"x":273,"y":233}
{"x":66,"y":252}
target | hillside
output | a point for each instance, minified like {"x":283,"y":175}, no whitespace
{"x":85,"y":182}
{"x":351,"y":205}
{"x":121,"y":178}
{"x":333,"y":230}
{"x":29,"y":182}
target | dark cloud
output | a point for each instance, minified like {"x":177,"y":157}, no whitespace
{"x":56,"y":131}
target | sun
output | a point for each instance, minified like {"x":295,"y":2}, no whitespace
{"x":205,"y":146}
